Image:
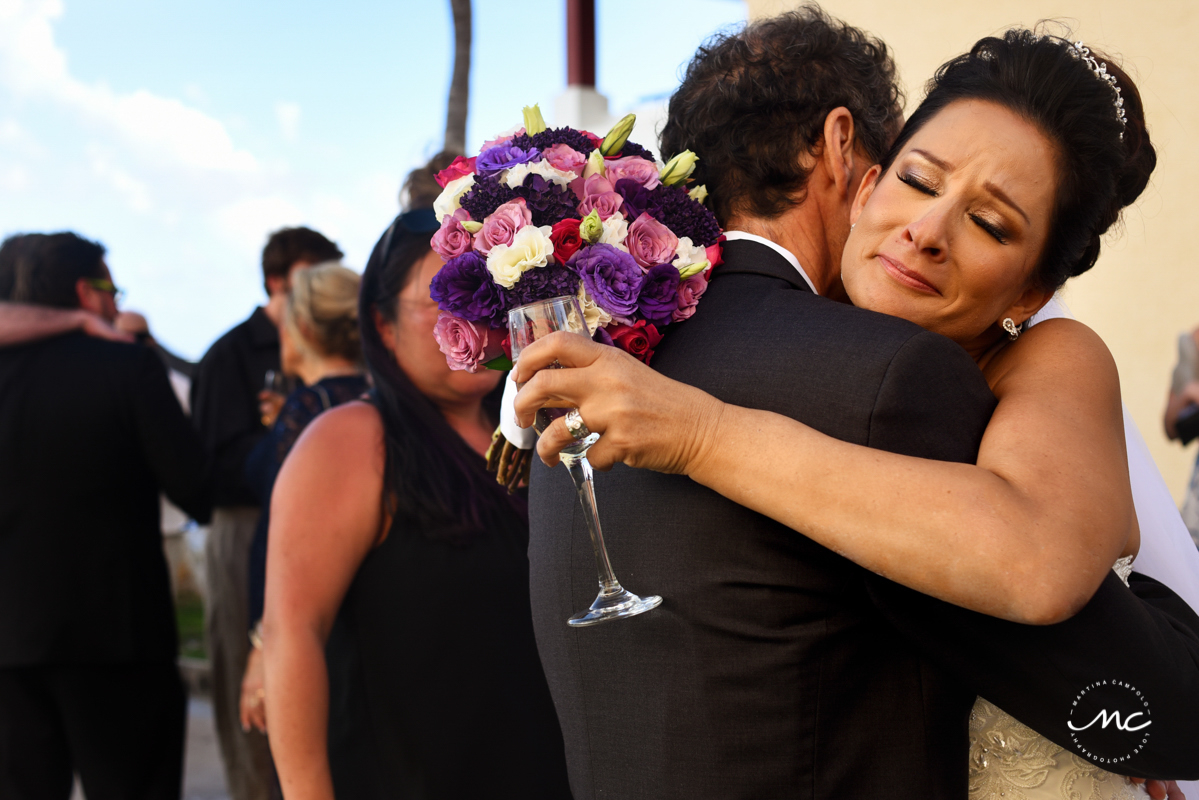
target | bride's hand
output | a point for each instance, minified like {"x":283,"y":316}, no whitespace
{"x":1161,"y":790}
{"x":647,"y":420}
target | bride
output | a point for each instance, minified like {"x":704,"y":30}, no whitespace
{"x":997,"y":191}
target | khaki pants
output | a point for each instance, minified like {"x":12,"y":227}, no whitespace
{"x":245,"y":755}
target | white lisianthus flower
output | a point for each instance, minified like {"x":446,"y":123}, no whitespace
{"x":615,"y":231}
{"x":516,"y":176}
{"x":593,"y":315}
{"x":687,"y":254}
{"x":531,"y":248}
{"x":450,"y":199}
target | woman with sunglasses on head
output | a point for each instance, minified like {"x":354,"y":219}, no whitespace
{"x":997,"y":191}
{"x":399,"y":647}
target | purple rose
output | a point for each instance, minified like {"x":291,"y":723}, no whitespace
{"x":502,"y":224}
{"x":611,"y":277}
{"x":650,"y":242}
{"x":464,"y":288}
{"x":659,"y":296}
{"x":500,"y":157}
{"x":633,"y":168}
{"x":690,"y":290}
{"x":598,"y":195}
{"x":466,"y":345}
{"x":452,"y":240}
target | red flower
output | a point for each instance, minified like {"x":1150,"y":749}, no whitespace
{"x":638,"y":339}
{"x":566,"y":239}
{"x":595,"y":140}
{"x":507,"y":345}
{"x":460,"y":166}
{"x":715,"y":252}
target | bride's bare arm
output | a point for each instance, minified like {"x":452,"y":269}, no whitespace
{"x":1027,"y":534}
{"x":21,"y":323}
{"x":325,"y":517}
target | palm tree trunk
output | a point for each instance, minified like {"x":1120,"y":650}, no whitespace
{"x":455,"y":118}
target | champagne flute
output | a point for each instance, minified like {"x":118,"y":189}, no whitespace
{"x":526,"y":324}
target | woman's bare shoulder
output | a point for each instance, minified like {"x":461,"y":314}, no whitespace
{"x":345,"y":430}
{"x":1054,"y":350}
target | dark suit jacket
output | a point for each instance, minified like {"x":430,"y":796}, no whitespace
{"x":774,"y":667}
{"x":90,"y":433}
{"x":224,"y":404}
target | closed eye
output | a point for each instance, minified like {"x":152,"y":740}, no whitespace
{"x":994,"y":230}
{"x":916,"y":183}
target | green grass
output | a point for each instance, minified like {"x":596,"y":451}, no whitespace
{"x":189,"y":616}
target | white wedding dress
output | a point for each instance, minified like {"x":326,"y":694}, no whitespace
{"x":1010,"y":761}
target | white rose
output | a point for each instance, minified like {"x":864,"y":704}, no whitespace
{"x":450,"y":199}
{"x":615,"y":231}
{"x":531,"y":247}
{"x":593,"y":315}
{"x":516,"y":175}
{"x":687,"y":254}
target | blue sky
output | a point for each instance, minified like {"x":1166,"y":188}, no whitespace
{"x":180,"y":134}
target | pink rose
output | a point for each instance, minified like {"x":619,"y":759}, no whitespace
{"x":598,"y":195}
{"x":502,"y":224}
{"x":650,"y":242}
{"x":565,"y":158}
{"x":690,"y":290}
{"x":467,"y":345}
{"x":503,"y":138}
{"x":461,"y":166}
{"x":452,"y":240}
{"x":634,"y":168}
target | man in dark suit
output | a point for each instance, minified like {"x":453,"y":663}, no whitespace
{"x":776,"y":668}
{"x":90,"y":433}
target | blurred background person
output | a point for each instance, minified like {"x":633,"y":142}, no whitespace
{"x":320,"y":345}
{"x":397,"y":594}
{"x":225,"y":397}
{"x":90,"y":433}
{"x":1181,"y":419}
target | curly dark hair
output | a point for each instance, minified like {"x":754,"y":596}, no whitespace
{"x":1103,"y":165}
{"x":752,"y":103}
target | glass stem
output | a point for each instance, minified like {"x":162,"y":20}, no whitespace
{"x":580,"y":472}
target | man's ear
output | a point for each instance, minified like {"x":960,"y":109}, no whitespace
{"x":839,"y":151}
{"x":869,"y":181}
{"x":86,"y":296}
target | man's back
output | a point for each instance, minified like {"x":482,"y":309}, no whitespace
{"x":90,"y":432}
{"x":767,"y":671}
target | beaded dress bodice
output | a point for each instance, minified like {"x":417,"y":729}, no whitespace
{"x":1010,"y":761}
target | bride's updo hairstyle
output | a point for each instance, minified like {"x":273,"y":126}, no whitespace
{"x":1103,"y":164}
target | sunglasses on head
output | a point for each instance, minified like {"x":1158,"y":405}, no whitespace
{"x":418,"y":220}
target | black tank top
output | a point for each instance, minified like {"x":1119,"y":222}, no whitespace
{"x":436,"y":689}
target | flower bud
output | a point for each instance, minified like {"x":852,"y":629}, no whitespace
{"x":592,"y":227}
{"x":618,"y":135}
{"x":693,"y":269}
{"x":595,"y":165}
{"x":534,"y":123}
{"x":679,"y":168}
{"x":471,"y":226}
{"x":699,"y":194}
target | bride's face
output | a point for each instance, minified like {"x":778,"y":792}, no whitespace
{"x":949,"y":237}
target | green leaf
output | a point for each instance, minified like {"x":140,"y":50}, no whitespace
{"x":501,"y":363}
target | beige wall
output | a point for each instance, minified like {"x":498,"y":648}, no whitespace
{"x":1145,"y":288}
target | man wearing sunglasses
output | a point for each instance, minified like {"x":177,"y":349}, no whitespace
{"x":90,"y":433}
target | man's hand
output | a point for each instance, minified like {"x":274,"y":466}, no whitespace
{"x":269,"y":406}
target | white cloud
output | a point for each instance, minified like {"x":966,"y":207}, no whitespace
{"x":135,"y":192}
{"x":31,"y":64}
{"x":288,"y":115}
{"x":249,"y":220}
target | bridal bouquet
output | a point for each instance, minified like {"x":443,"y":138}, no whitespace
{"x":545,"y":212}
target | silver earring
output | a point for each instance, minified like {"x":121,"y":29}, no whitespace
{"x":1013,"y":332}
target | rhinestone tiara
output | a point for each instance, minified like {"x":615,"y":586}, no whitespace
{"x":1082,"y":52}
